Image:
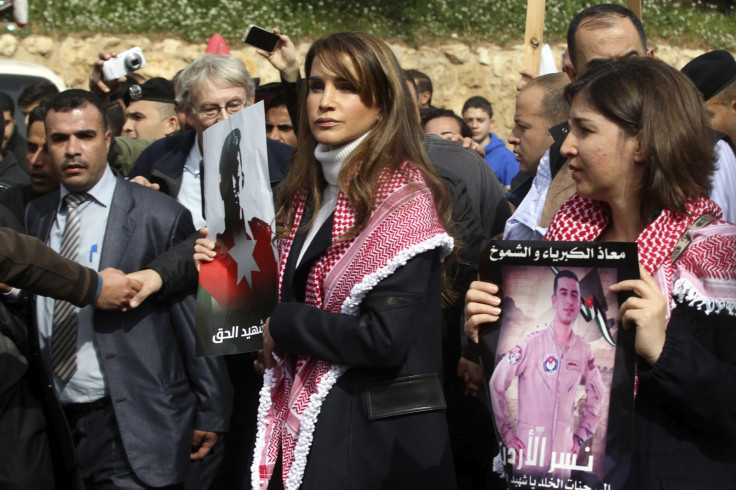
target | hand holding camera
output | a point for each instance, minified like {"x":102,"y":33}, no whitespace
{"x":124,"y":63}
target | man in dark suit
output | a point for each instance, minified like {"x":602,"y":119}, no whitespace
{"x":138,"y":402}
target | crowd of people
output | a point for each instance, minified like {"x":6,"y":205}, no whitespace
{"x":369,"y":375}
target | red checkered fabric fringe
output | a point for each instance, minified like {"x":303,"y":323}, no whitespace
{"x":704,"y":277}
{"x":403,"y":223}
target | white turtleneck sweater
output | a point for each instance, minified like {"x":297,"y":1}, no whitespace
{"x":332,"y":162}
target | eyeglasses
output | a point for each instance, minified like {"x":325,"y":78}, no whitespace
{"x":212,"y":111}
{"x":284,"y":128}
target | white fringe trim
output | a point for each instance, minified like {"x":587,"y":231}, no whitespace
{"x":307,"y":425}
{"x":352,"y":303}
{"x":687,"y":293}
{"x":309,"y":419}
{"x":264,"y":406}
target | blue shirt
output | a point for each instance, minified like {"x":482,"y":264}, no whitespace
{"x":88,"y":383}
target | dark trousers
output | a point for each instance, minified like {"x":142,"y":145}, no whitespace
{"x":101,"y":460}
{"x":25,"y":459}
{"x":240,"y":439}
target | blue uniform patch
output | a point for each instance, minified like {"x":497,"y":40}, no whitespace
{"x":550,"y":364}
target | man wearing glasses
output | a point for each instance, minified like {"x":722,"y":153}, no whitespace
{"x":210,"y":89}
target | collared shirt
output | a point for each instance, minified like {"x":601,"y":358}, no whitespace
{"x":190,"y":194}
{"x":524,"y":223}
{"x":88,"y":383}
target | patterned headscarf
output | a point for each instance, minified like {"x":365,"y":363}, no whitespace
{"x":403,"y":224}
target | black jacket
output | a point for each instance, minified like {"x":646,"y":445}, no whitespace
{"x":685,"y":423}
{"x":393,"y":344}
{"x":11,"y":172}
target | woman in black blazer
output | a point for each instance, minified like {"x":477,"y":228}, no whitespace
{"x":352,"y":396}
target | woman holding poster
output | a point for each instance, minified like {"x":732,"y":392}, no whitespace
{"x":641,"y":154}
{"x":352,"y":397}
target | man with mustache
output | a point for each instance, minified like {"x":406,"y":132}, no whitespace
{"x":140,"y":405}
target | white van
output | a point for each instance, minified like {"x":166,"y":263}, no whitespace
{"x":17,"y":75}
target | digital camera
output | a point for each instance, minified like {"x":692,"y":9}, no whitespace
{"x":124,"y":63}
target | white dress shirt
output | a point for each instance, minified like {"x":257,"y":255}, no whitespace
{"x":190,"y":194}
{"x":88,"y":383}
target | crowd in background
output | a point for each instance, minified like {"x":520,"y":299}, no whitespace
{"x":370,"y":374}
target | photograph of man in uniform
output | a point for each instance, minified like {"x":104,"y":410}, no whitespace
{"x":549,"y":365}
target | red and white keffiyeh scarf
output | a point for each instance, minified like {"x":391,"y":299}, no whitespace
{"x":403,"y":224}
{"x":704,"y":277}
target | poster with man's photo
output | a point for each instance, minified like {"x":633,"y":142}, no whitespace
{"x":558,"y":366}
{"x":238,"y":290}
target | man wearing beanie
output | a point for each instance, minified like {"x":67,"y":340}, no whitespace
{"x":150,"y":110}
{"x":714,"y":74}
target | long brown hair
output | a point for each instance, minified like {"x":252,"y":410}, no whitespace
{"x":371,"y":67}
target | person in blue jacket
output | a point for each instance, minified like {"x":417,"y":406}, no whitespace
{"x":478,"y":115}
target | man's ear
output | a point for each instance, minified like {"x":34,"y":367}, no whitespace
{"x":570,"y":71}
{"x":172,"y":125}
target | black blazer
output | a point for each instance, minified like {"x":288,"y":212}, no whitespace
{"x":383,"y":424}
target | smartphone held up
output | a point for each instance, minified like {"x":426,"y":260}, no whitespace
{"x":261,"y":38}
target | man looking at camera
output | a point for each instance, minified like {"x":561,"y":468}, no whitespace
{"x":278,"y":122}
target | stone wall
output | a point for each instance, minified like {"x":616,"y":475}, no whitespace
{"x":458,"y":71}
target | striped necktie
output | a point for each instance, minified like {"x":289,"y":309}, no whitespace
{"x":64,"y":332}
